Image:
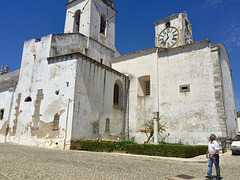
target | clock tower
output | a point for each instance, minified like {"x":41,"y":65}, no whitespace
{"x":173,"y":31}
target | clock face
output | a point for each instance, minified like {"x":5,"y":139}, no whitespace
{"x":188,"y":36}
{"x":168,"y":37}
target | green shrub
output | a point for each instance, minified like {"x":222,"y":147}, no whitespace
{"x":121,"y":146}
{"x":167,"y":150}
{"x":201,"y":149}
{"x":98,"y":146}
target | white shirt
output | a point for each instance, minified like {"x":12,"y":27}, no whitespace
{"x":212,"y":146}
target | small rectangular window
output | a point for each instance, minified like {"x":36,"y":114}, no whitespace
{"x":184,"y":88}
{"x":148,"y":88}
{"x":144,"y":86}
{"x":1,"y":114}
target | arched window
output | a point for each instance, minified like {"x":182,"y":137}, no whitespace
{"x":28,"y":99}
{"x":116,"y":95}
{"x":103,"y":24}
{"x":76,"y":27}
{"x":118,"y":99}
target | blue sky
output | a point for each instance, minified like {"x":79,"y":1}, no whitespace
{"x":216,"y":20}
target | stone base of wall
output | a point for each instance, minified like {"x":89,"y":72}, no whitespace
{"x":110,"y":137}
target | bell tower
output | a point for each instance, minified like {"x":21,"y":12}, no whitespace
{"x":94,"y":19}
{"x":173,"y":31}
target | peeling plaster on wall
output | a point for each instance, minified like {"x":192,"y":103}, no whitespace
{"x":15,"y":121}
{"x":107,"y":125}
{"x":62,"y":57}
{"x":56,"y":122}
{"x":3,"y":130}
{"x":37,"y":104}
{"x":95,"y":127}
{"x":45,"y":131}
{"x":55,"y":107}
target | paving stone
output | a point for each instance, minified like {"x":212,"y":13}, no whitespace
{"x":22,"y":162}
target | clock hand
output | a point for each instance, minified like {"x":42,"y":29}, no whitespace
{"x":167,"y":37}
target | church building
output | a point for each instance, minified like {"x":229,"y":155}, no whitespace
{"x":77,"y":86}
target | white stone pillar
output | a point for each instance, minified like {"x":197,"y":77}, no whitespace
{"x":156,"y":129}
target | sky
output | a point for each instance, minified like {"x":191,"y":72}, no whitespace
{"x":216,"y":20}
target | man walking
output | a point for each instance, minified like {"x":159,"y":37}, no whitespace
{"x":213,"y":157}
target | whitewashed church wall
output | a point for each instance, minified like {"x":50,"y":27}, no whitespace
{"x":44,"y":82}
{"x":100,"y":53}
{"x":27,"y":64}
{"x":6,"y":94}
{"x":8,"y":83}
{"x":84,"y":24}
{"x":58,"y":99}
{"x":238,"y":121}
{"x":191,"y":116}
{"x":62,"y":44}
{"x":21,"y":116}
{"x":94,"y":103}
{"x":141,"y":108}
{"x":228,"y":93}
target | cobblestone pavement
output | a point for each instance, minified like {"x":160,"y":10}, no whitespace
{"x":22,"y":162}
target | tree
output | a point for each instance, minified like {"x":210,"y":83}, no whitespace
{"x":148,"y":129}
{"x":238,"y":114}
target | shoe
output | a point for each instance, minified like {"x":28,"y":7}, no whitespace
{"x":218,"y":177}
{"x":208,"y":177}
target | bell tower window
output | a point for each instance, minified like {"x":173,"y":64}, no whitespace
{"x":103,"y":24}
{"x":1,"y":114}
{"x":168,"y":24}
{"x":186,"y":23}
{"x":76,"y":27}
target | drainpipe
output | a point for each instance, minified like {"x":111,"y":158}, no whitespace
{"x":69,"y":100}
{"x":158,"y":83}
{"x":127,"y":104}
{"x":156,"y":120}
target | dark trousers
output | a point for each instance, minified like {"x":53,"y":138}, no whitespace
{"x":215,"y":161}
